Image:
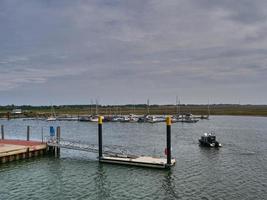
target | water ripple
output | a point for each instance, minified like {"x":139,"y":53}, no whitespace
{"x":236,"y":171}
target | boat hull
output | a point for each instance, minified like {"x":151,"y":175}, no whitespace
{"x":211,"y":145}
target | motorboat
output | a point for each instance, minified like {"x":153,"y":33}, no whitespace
{"x":154,"y":119}
{"x":133,"y":118}
{"x":187,"y":118}
{"x":209,"y":140}
{"x":125,"y":119}
{"x":84,"y":119}
{"x":94,"y":119}
{"x":116,"y":119}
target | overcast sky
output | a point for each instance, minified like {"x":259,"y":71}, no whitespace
{"x":126,"y":51}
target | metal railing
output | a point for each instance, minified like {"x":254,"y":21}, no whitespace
{"x":84,"y":146}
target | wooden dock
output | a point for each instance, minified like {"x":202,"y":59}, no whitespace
{"x":19,"y":149}
{"x":142,"y":161}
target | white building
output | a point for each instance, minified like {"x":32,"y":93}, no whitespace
{"x":16,"y":111}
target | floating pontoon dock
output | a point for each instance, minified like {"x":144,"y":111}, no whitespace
{"x":143,"y":161}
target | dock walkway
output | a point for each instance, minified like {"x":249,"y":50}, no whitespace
{"x":18,"y":149}
{"x":144,"y":161}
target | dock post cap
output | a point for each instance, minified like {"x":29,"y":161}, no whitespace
{"x":100,"y":119}
{"x":168,"y":120}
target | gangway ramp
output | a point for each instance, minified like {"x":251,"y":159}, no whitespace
{"x":86,"y":146}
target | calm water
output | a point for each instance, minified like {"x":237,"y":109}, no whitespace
{"x":236,"y":171}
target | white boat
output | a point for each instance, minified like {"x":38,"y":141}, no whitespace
{"x":52,"y":116}
{"x":125,"y":119}
{"x":116,"y":119}
{"x":187,"y":118}
{"x":133,"y":118}
{"x":93,"y":119}
{"x":51,"y":119}
{"x":154,"y":119}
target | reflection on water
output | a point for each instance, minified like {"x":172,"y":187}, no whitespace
{"x":235,"y":171}
{"x":169,"y":186}
{"x":103,"y":191}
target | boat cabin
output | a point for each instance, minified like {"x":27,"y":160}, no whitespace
{"x":208,"y":138}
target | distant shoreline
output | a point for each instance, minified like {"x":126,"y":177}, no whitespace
{"x":140,"y":109}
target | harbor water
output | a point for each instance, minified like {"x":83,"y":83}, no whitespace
{"x":238,"y":170}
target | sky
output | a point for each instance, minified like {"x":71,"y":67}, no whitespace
{"x":128,"y":51}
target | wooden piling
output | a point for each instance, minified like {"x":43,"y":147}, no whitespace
{"x":8,"y":115}
{"x":28,"y":133}
{"x":58,"y":141}
{"x":28,"y":152}
{"x":100,"y":152}
{"x":168,"y":150}
{"x":42,"y":135}
{"x":2,"y":132}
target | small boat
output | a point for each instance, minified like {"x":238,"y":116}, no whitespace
{"x":141,"y":119}
{"x":154,"y":119}
{"x":53,"y":115}
{"x":116,"y":119}
{"x":209,"y":140}
{"x":186,"y":118}
{"x":84,"y":118}
{"x":133,"y":118}
{"x":94,"y":118}
{"x":51,"y":118}
{"x":125,"y":119}
{"x":151,"y":119}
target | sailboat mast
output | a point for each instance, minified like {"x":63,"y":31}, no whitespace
{"x":91,"y":111}
{"x":147,"y":106}
{"x":53,"y":113}
{"x":177,"y":105}
{"x":208,"y":109}
{"x":179,"y":108}
{"x":96,"y":107}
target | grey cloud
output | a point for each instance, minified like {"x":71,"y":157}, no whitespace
{"x":244,"y":11}
{"x":148,"y":44}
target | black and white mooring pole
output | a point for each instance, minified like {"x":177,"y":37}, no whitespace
{"x":100,"y":122}
{"x":28,"y":133}
{"x":58,"y":141}
{"x":168,"y":149}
